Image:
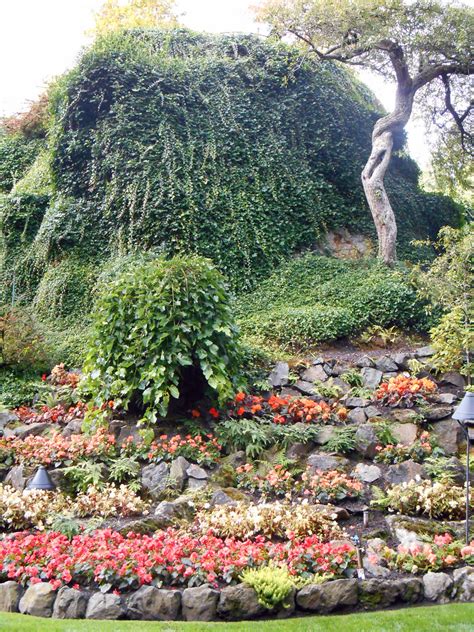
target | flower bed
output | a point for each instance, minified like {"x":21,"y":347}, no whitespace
{"x":331,"y":486}
{"x":166,"y":558}
{"x":421,"y":449}
{"x":57,"y":414}
{"x":404,"y":391}
{"x":204,"y":450}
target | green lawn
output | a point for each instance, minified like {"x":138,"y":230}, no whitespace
{"x":450,"y":618}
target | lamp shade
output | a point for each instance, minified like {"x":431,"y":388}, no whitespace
{"x":41,"y":480}
{"x":465,"y":410}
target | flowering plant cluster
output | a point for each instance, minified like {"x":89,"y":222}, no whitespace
{"x":60,"y":377}
{"x":166,"y":558}
{"x":56,"y":449}
{"x":204,"y":450}
{"x":286,"y":410}
{"x":438,"y":499}
{"x":422,"y":448}
{"x":278,"y":481}
{"x":404,"y":391}
{"x":282,"y":520}
{"x":36,"y":508}
{"x":331,"y":486}
{"x":58,"y":414}
{"x":443,"y":553}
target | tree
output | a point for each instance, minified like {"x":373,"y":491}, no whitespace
{"x":424,"y":45}
{"x":115,"y":15}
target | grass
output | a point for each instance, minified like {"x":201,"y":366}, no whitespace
{"x":450,"y":618}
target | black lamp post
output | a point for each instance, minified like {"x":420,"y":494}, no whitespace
{"x":464,"y":415}
{"x":42,"y":480}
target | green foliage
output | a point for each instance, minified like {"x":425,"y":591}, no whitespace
{"x":157,"y":329}
{"x":17,"y":388}
{"x":329,"y":299}
{"x":22,"y":344}
{"x":353,"y":377}
{"x":384,"y":432}
{"x":273,"y":584}
{"x":126,"y":470}
{"x":328,"y":389}
{"x":66,"y":524}
{"x":342,"y":442}
{"x":16,"y":156}
{"x":84,"y":474}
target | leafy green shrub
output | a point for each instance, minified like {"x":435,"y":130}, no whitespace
{"x":313,"y":299}
{"x":272,"y":584}
{"x":17,"y":388}
{"x":16,"y":156}
{"x":159,"y":329}
{"x":22,"y":344}
{"x":342,"y":442}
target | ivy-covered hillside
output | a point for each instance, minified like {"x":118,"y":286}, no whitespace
{"x":229,"y":147}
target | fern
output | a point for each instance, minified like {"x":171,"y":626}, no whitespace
{"x":342,"y":442}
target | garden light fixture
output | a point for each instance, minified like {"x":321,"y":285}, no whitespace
{"x":42,"y":480}
{"x":464,"y":415}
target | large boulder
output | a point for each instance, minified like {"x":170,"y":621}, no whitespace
{"x":375,"y":593}
{"x":437,"y":586}
{"x":315,"y":374}
{"x":305,"y":388}
{"x":449,"y":435}
{"x":366,"y":473}
{"x":464,"y":583}
{"x":152,"y":604}
{"x":332,"y":595}
{"x":371,"y":377}
{"x":200,"y":603}
{"x":38,"y":600}
{"x":70,"y":604}
{"x":178,"y":472}
{"x":280,"y":375}
{"x":357,"y":416}
{"x":386,"y":364}
{"x":105,"y":606}
{"x":325,"y":462}
{"x":405,"y":434}
{"x":10,"y":593}
{"x":239,"y":602}
{"x":168,"y":512}
{"x":366,"y":441}
{"x":155,"y":479}
{"x":403,"y":472}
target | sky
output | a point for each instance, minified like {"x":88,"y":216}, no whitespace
{"x":40,"y":39}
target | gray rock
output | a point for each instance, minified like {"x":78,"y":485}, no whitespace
{"x":290,"y":392}
{"x":446,"y":398}
{"x":356,"y":402}
{"x":449,"y":435}
{"x":239,"y":602}
{"x":155,"y":479}
{"x":453,"y":379}
{"x":7,"y":417}
{"x":371,"y":377}
{"x":437,"y":586}
{"x":424,"y":352}
{"x":197,"y":483}
{"x":194,"y":471}
{"x":70,"y":604}
{"x":340,"y":368}
{"x":405,"y":433}
{"x":404,"y":415}
{"x":178,"y":472}
{"x":401,"y":359}
{"x":299,"y":451}
{"x":325,"y":462}
{"x":105,"y":606}
{"x":325,"y":598}
{"x":200,"y":603}
{"x":365,"y":361}
{"x":386,"y":364}
{"x":18,"y":476}
{"x":464,"y":583}
{"x":325,"y":434}
{"x":367,"y":473}
{"x":457,"y":469}
{"x":366,"y":441}
{"x":152,"y":604}
{"x":357,"y":415}
{"x":280,"y":375}
{"x":306,"y":388}
{"x":374,"y":593}
{"x":403,"y":472}
{"x":390,"y":374}
{"x":221,"y":498}
{"x":435,"y":413}
{"x":344,"y":386}
{"x":73,"y":427}
{"x":10,"y":593}
{"x":38,"y":600}
{"x":168,"y":512}
{"x":373,"y":411}
{"x":374,"y":569}
{"x":235,"y":459}
{"x":315,"y":374}
{"x":410,"y":589}
{"x":319,"y":360}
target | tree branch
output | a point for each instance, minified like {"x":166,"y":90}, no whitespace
{"x":458,"y":119}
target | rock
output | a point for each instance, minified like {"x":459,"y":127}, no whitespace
{"x":374,"y":593}
{"x":200,"y":603}
{"x":155,"y":479}
{"x":221,"y":498}
{"x":318,"y":360}
{"x":306,"y":388}
{"x":197,"y":483}
{"x":29,"y":430}
{"x":366,"y":441}
{"x":58,"y":476}
{"x":194,"y":471}
{"x":453,"y":379}
{"x":152,"y":604}
{"x":365,"y":362}
{"x":424,"y":352}
{"x":178,"y":472}
{"x":168,"y":512}
{"x":326,"y":462}
{"x":339,"y":369}
{"x":38,"y":600}
{"x":315,"y":374}
{"x":239,"y":602}
{"x":105,"y":606}
{"x":280,"y":375}
{"x":357,"y":415}
{"x":235,"y":459}
{"x":405,"y":433}
{"x":386,"y":364}
{"x":371,"y":377}
{"x":10,"y":593}
{"x":18,"y":476}
{"x":344,"y":386}
{"x":404,"y":415}
{"x":325,"y":434}
{"x":367,"y":473}
{"x":339,"y":513}
{"x":411,"y":530}
{"x":7,"y":417}
{"x":374,"y":569}
{"x":373,"y":411}
{"x":410,"y":589}
{"x":403,"y":472}
{"x":325,"y":598}
{"x":401,"y":359}
{"x":464,"y":583}
{"x":438,"y":412}
{"x":145,"y":525}
{"x":449,"y":435}
{"x":356,"y":402}
{"x":73,"y":427}
{"x":437,"y":586}
{"x":289,"y":392}
{"x":446,"y":398}
{"x":70,"y":604}
{"x":299,"y":451}
{"x":386,"y":376}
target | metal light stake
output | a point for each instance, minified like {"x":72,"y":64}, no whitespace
{"x":464,"y":415}
{"x":41,"y":480}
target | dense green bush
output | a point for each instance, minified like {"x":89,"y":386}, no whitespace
{"x":161,"y":329}
{"x":22,"y":344}
{"x":314,"y":299}
{"x":16,"y":155}
{"x":19,"y":387}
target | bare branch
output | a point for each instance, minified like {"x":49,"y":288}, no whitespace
{"x":458,"y":118}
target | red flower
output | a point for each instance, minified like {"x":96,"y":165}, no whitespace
{"x":214,"y":413}
{"x":195,"y":413}
{"x":44,"y":377}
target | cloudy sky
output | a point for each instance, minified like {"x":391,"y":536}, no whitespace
{"x":42,"y":38}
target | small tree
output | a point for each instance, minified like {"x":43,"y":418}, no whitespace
{"x":134,"y":14}
{"x":424,"y":45}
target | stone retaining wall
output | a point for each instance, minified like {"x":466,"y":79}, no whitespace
{"x":234,"y":603}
